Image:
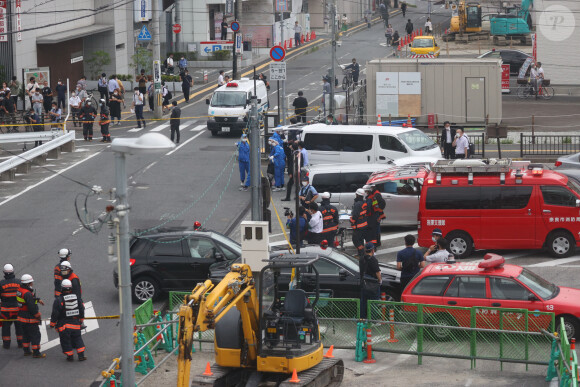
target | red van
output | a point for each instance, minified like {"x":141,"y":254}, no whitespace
{"x":500,"y":204}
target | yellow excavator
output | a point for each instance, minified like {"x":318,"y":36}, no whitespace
{"x":465,"y":22}
{"x":261,"y":337}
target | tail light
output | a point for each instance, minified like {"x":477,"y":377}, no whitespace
{"x":419,"y":220}
{"x":131,"y":261}
{"x":558,"y":163}
{"x":324,"y":244}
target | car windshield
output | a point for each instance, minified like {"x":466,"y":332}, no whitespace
{"x":422,"y":43}
{"x":574,"y":186}
{"x":417,"y":140}
{"x":228,"y":99}
{"x":345,"y":260}
{"x":546,"y":290}
{"x":227,"y":241}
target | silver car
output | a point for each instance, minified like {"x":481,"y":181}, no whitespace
{"x":568,"y":161}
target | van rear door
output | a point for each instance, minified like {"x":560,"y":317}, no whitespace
{"x":323,"y":148}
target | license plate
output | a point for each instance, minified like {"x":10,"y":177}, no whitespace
{"x":226,"y":129}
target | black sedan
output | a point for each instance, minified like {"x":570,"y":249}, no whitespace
{"x":338,"y":274}
{"x":515,"y":58}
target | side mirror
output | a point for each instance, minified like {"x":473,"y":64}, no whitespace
{"x":532,"y":297}
{"x":207,"y":101}
{"x":219,"y":257}
{"x":342,"y":274}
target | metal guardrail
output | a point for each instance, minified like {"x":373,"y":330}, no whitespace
{"x":28,"y":156}
{"x":548,"y":145}
{"x":477,"y":139}
{"x":29,"y":136}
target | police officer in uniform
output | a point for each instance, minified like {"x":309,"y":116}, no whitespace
{"x":329,"y":218}
{"x":9,"y":311}
{"x":29,"y":317}
{"x":359,"y":221}
{"x":64,"y":255}
{"x":66,"y":272}
{"x":376,"y":205}
{"x":68,"y":313}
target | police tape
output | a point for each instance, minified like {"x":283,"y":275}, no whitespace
{"x":114,"y":317}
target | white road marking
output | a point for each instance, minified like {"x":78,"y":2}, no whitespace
{"x":197,"y":128}
{"x":187,"y":123}
{"x":191,"y":139}
{"x":160,"y":128}
{"x":91,"y":326}
{"x":47,"y":179}
{"x":555,"y":262}
{"x":135,"y":130}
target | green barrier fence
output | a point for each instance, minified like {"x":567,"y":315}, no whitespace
{"x":143,"y":315}
{"x":566,"y":359}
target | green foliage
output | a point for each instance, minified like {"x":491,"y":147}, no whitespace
{"x":507,"y":141}
{"x":170,"y":78}
{"x":221,"y":55}
{"x":125,"y":77}
{"x":98,"y":60}
{"x":142,"y":59}
{"x":191,"y":55}
{"x":567,"y":140}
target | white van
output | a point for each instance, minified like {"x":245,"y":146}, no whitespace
{"x":229,"y":106}
{"x":365,"y":144}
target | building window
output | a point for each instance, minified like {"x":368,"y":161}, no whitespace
{"x":120,"y":47}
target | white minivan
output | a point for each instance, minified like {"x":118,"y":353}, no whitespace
{"x":365,"y":144}
{"x":229,"y":106}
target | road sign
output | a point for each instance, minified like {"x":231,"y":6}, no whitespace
{"x":277,"y":53}
{"x":177,"y":28}
{"x":278,"y":71}
{"x":144,"y":34}
{"x":235,"y":26}
{"x":157,"y":73}
{"x":239,"y":46}
{"x":229,"y":7}
{"x":206,"y":48}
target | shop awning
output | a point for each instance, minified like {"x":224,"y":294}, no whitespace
{"x":73,"y":34}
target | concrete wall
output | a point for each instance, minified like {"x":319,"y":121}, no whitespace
{"x":443,"y":86}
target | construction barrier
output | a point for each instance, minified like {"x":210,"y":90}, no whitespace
{"x":563,"y":363}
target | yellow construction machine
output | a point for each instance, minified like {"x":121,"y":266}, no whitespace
{"x":262,"y":336}
{"x":465,"y":22}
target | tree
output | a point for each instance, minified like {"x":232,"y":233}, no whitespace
{"x":142,"y":59}
{"x":97,"y":62}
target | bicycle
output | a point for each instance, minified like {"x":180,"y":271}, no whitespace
{"x":347,"y":79}
{"x":526,"y":89}
{"x":90,"y":97}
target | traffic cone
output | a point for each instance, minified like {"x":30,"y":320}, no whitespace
{"x":290,"y":46}
{"x":301,"y":38}
{"x":307,"y":37}
{"x":207,"y":370}
{"x":294,"y":378}
{"x":379,"y":122}
{"x":369,"y":359}
{"x":329,"y":352}
{"x":284,"y":45}
{"x":409,"y":122}
{"x":312,"y":35}
{"x":399,"y":48}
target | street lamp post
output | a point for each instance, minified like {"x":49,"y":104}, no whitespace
{"x":147,"y":143}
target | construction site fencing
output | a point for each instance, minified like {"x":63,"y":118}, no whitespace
{"x":563,"y":362}
{"x":548,"y":145}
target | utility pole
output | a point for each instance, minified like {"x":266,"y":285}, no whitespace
{"x":235,"y":35}
{"x":255,"y":156}
{"x":156,"y":58}
{"x":333,"y":56}
{"x":177,"y":19}
{"x":297,"y":186}
{"x":283,"y":97}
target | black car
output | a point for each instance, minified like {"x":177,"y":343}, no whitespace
{"x":175,"y":260}
{"x":338,"y":274}
{"x":515,"y":58}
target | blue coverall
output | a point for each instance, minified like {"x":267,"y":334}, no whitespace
{"x":278,"y":139}
{"x":279,"y":165}
{"x":244,"y":161}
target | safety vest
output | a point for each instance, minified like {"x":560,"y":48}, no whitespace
{"x":27,"y":301}
{"x":67,"y":312}
{"x":360,"y":221}
{"x":328,"y":218}
{"x":8,"y":290}
{"x":376,"y":201}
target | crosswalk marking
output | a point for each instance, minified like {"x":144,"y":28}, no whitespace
{"x":555,"y":262}
{"x":135,"y":130}
{"x":91,"y":325}
{"x":198,"y":127}
{"x":187,"y":123}
{"x":160,"y":128}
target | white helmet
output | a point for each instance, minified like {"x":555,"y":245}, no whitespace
{"x":368,"y":187}
{"x":66,"y":284}
{"x":64,"y":253}
{"x":26,"y":279}
{"x":325,"y":195}
{"x":65,"y":267}
{"x":8,"y":268}
{"x":360,"y":192}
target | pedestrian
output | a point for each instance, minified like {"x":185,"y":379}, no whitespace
{"x":29,"y":317}
{"x":166,"y":97}
{"x":307,"y":193}
{"x":150,"y":96}
{"x":344,"y":21}
{"x":175,"y":120}
{"x":61,"y":95}
{"x":112,"y":85}
{"x":186,"y":84}
{"x":64,"y":254}
{"x":9,"y":310}
{"x":329,"y":217}
{"x":169,"y":66}
{"x":297,"y":34}
{"x":428,"y":27}
{"x":536,"y":76}
{"x":55,"y":114}
{"x":226,"y":79}
{"x":359,"y":221}
{"x":404,"y":7}
{"x":87,"y":116}
{"x":224,"y":29}
{"x":315,"y":224}
{"x":115,"y":106}
{"x":264,"y":79}
{"x":82,"y":82}
{"x":438,"y":252}
{"x":105,"y":120}
{"x":37,"y":102}
{"x":293,"y":150}
{"x":389,"y":34}
{"x":31,"y":87}
{"x":33,"y":120}
{"x":291,"y":224}
{"x":396,"y":39}
{"x":409,"y":261}
{"x":244,"y":162}
{"x":371,"y":279}
{"x":300,"y":104}
{"x":384,"y":12}
{"x":303,"y":153}
{"x":138,"y":106}
{"x":368,"y":17}
{"x":330,"y":120}
{"x":102,"y":86}
{"x":66,"y":273}
{"x":182,"y":65}
{"x":221,"y":81}
{"x":376,"y":206}
{"x":325,"y":88}
{"x":409,"y":27}
{"x":82,"y":94}
{"x":461,"y":144}
{"x":16,"y":89}
{"x":75,"y":107}
{"x":7,"y":109}
{"x":279,"y":159}
{"x":447,"y":137}
{"x":68,"y":314}
{"x":142,"y":82}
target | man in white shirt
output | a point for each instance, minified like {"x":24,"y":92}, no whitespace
{"x":170,"y":67}
{"x":428,"y":27}
{"x":461,"y":145}
{"x":297,"y":34}
{"x":75,"y":107}
{"x":536,"y":76}
{"x":315,"y":225}
{"x":438,"y":252}
{"x":221,"y":81}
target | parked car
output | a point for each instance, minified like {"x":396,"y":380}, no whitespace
{"x":175,"y":259}
{"x":491,"y":283}
{"x":339,"y":274}
{"x":425,"y":45}
{"x":515,"y":58}
{"x":568,"y":161}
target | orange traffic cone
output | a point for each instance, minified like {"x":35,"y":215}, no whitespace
{"x":301,"y":38}
{"x":399,"y":48}
{"x":409,"y":122}
{"x":379,"y":122}
{"x":290,"y":46}
{"x":329,"y":352}
{"x":207,"y":370}
{"x":294,"y":378}
{"x":284,"y":45}
{"x":312,"y":35}
{"x":307,"y":38}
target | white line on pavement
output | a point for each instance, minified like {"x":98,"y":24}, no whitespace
{"x":191,"y":139}
{"x":91,"y":325}
{"x":135,"y":130}
{"x":198,"y":127}
{"x":555,"y":262}
{"x":159,"y":128}
{"x":187,"y":123}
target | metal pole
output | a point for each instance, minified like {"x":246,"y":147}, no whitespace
{"x":234,"y":54}
{"x":177,"y":19}
{"x":278,"y":85}
{"x":283,"y":97}
{"x":126,"y":312}
{"x":333,"y":57}
{"x":156,"y":56}
{"x":255,"y":157}
{"x":297,"y":186}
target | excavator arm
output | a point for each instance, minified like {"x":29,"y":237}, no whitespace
{"x":207,"y":304}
